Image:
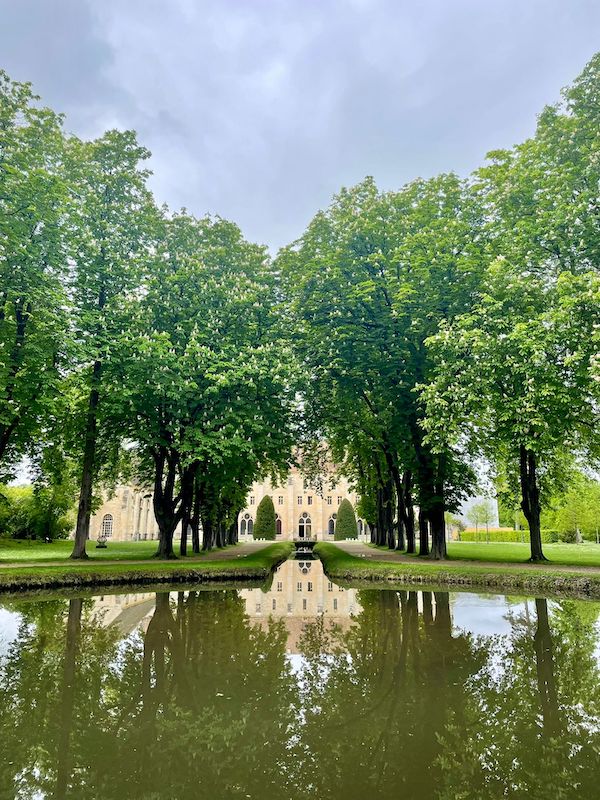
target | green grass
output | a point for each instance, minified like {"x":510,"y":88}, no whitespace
{"x":255,"y":566}
{"x":572,"y":555}
{"x":12,"y":550}
{"x":344,"y":566}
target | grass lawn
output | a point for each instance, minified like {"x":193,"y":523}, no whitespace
{"x":256,"y":566}
{"x":458,"y":572}
{"x":571,"y":555}
{"x":30,"y":552}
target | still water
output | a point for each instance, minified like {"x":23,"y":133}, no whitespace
{"x":307,"y":690}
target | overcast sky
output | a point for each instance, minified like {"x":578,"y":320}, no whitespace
{"x":260,"y":110}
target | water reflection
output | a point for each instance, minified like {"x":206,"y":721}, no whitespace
{"x":304,"y":690}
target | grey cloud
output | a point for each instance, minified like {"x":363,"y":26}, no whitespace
{"x":261,"y":109}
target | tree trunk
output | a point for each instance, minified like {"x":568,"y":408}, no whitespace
{"x":409,"y":512}
{"x":530,"y":501}
{"x":438,"y":526}
{"x":423,"y":533}
{"x":167,"y":506}
{"x":195,"y":522}
{"x":82,"y":528}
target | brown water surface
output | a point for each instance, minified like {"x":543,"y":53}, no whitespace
{"x":307,"y":690}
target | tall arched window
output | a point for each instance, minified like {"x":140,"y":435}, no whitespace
{"x":331,"y":524}
{"x":304,"y":526}
{"x":360,"y":527}
{"x":106,"y":530}
{"x":246,"y":525}
{"x":277,"y":524}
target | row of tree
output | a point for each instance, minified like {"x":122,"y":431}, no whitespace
{"x":123,"y":325}
{"x":448,"y":321}
{"x":458,"y":320}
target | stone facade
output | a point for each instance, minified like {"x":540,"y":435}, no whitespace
{"x":127,"y":514}
{"x":302,"y":510}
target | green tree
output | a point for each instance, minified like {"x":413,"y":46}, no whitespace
{"x":210,"y":397}
{"x":33,"y":266}
{"x":265,"y":527}
{"x":518,"y":371}
{"x":369,"y":282}
{"x":345,"y":523}
{"x":113,"y":222}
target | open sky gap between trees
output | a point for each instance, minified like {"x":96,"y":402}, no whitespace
{"x":415,"y":332}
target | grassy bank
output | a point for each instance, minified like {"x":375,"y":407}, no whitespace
{"x":92,"y":573}
{"x":12,"y":550}
{"x":340,"y":565}
{"x":572,"y":555}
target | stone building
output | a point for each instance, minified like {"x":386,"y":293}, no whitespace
{"x":302,"y":510}
{"x":126,"y":515}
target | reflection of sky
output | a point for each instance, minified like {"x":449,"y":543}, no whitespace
{"x":9,"y":627}
{"x":485,"y":616}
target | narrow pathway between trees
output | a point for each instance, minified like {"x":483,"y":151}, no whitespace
{"x":228,"y":554}
{"x":375,"y":554}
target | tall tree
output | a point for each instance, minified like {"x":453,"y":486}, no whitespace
{"x":33,"y":264}
{"x":210,"y":396}
{"x":112,"y":228}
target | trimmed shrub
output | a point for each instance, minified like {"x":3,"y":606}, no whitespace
{"x":345,"y":524}
{"x":264,"y":527}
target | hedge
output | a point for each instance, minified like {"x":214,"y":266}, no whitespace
{"x":265,"y":526}
{"x":345,"y":523}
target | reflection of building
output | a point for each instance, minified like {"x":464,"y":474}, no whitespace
{"x":127,"y":611}
{"x":300,"y":592}
{"x":302,"y":511}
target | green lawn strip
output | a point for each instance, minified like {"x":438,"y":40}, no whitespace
{"x":12,"y":550}
{"x":571,"y":555}
{"x":343,"y":566}
{"x":255,"y":566}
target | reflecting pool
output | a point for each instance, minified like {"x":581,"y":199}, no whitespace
{"x":302,"y":690}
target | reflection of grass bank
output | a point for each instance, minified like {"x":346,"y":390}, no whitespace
{"x":340,"y":565}
{"x":255,"y":566}
{"x":572,"y":555}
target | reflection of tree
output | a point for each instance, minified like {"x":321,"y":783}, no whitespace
{"x":208,"y":699}
{"x":378,"y":695}
{"x":203,"y":704}
{"x":67,"y":697}
{"x":532,"y":730}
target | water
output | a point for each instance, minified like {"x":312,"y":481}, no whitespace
{"x":307,"y":690}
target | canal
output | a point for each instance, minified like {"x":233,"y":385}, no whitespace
{"x":302,"y":689}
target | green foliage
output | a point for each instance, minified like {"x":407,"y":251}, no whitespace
{"x":35,"y":512}
{"x":345,"y":523}
{"x":264,"y":526}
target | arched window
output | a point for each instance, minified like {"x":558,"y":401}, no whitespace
{"x":360,"y":527}
{"x":331,"y":524}
{"x":277,"y":524}
{"x":106,"y":530}
{"x":304,"y":526}
{"x":246,"y":525}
